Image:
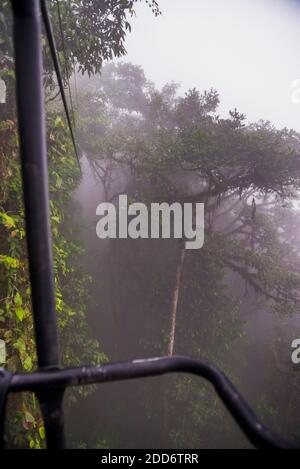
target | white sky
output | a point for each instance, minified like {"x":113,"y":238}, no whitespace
{"x":249,"y":50}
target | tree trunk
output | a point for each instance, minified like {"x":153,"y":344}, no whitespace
{"x":175,"y":296}
{"x":114,"y":303}
{"x":171,"y":342}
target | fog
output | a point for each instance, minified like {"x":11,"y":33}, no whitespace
{"x":227,"y":137}
{"x":247,"y":50}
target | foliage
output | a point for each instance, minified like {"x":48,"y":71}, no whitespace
{"x":16,"y":326}
{"x":177,"y":148}
{"x":86,"y":33}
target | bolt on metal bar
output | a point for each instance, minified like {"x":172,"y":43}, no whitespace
{"x":31,"y":120}
{"x":256,"y":432}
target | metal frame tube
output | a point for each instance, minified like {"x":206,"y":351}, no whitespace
{"x":31,"y":120}
{"x":256,"y":432}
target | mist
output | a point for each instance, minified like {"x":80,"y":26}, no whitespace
{"x":246,"y":50}
{"x":197,"y":105}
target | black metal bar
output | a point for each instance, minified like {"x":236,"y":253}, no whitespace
{"x":31,"y":120}
{"x":51,"y":404}
{"x":5,"y":378}
{"x":256,"y":432}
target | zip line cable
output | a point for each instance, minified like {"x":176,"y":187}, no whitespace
{"x":67,"y":70}
{"x":53,"y":50}
{"x":74,"y":73}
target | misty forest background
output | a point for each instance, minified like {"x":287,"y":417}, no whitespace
{"x":235,"y":302}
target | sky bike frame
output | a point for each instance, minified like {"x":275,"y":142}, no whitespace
{"x":50,"y":381}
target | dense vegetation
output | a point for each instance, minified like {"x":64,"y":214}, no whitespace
{"x":150,"y":297}
{"x":177,"y":148}
{"x":97,"y":28}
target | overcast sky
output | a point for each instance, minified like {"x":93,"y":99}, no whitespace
{"x":249,"y":50}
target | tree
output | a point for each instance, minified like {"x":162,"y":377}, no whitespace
{"x":179,"y":149}
{"x":87,"y":33}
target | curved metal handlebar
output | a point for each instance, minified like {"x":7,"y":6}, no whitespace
{"x":259,"y":435}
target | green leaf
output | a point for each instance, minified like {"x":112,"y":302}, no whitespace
{"x":18,"y":299}
{"x":9,"y":261}
{"x":58,"y":122}
{"x":2,"y":351}
{"x":59,"y":181}
{"x":19,"y":344}
{"x":20,"y":313}
{"x":42,"y":432}
{"x":27,"y":363}
{"x":7,"y":221}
